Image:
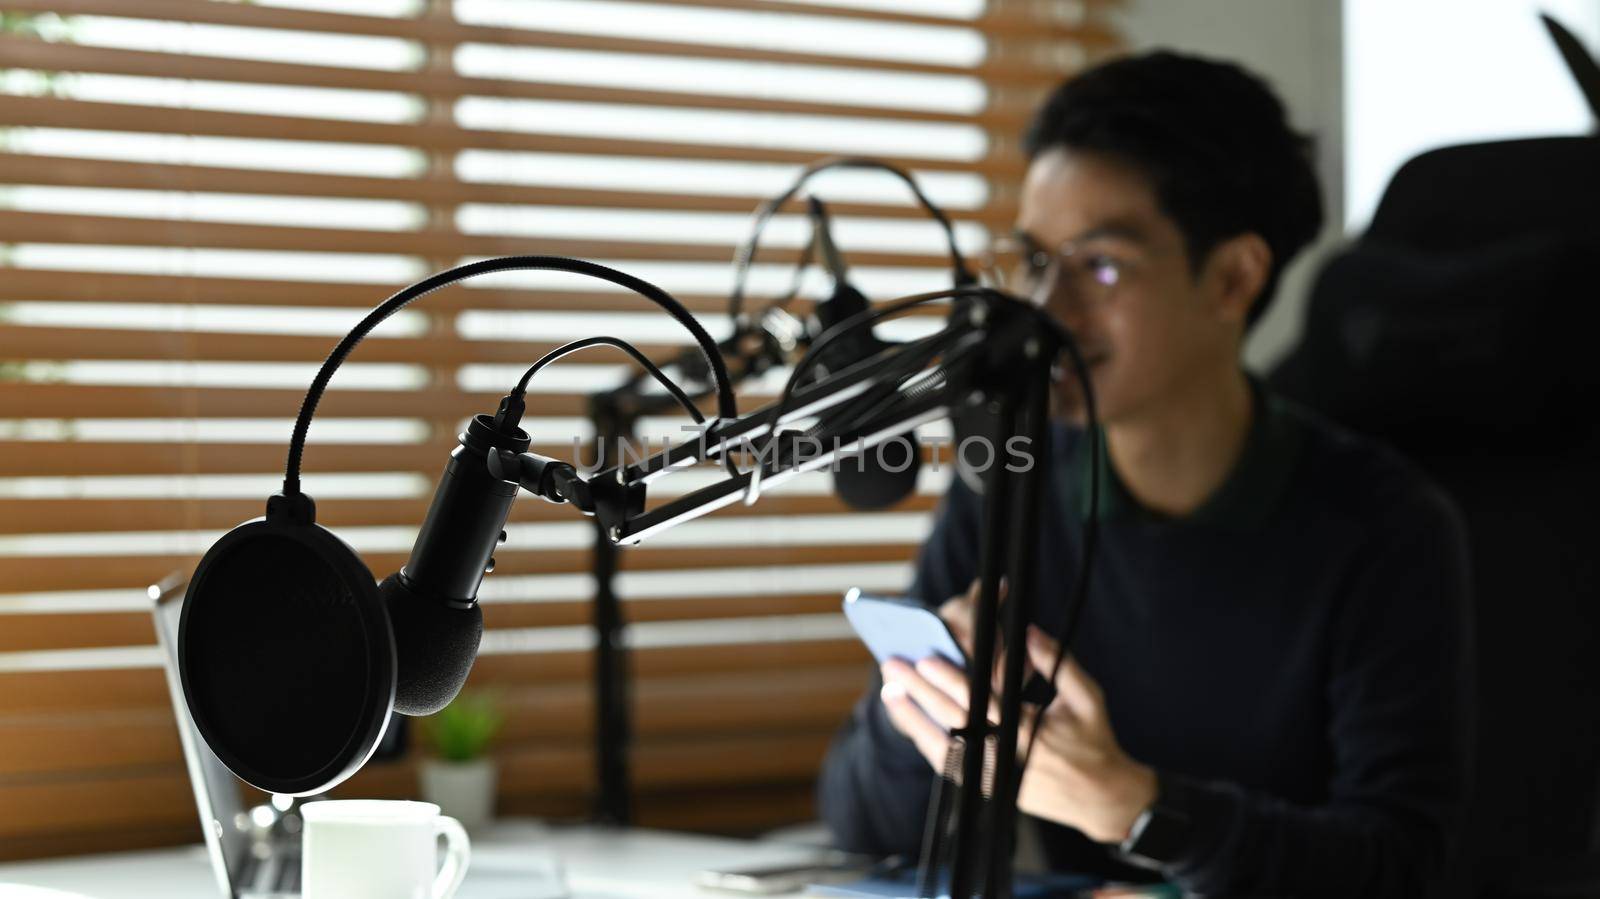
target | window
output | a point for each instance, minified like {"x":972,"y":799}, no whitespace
{"x":198,"y":196}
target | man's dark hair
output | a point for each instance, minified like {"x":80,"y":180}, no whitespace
{"x":1213,"y":140}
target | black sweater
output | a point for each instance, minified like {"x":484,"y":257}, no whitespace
{"x":1296,"y":655}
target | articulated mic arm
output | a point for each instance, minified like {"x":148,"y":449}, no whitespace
{"x":994,"y":351}
{"x":988,"y":344}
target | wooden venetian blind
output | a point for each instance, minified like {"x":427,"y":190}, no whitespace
{"x":197,"y":198}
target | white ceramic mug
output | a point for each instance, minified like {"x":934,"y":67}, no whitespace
{"x":380,"y":849}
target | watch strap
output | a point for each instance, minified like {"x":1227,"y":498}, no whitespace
{"x":1162,"y":831}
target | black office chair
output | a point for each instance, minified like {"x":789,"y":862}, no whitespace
{"x":1462,"y":328}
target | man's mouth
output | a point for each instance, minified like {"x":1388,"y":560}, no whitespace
{"x":1093,"y":361}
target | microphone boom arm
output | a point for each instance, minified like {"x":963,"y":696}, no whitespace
{"x":995,"y":351}
{"x":979,"y":349}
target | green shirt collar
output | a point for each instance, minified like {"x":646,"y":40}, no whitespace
{"x":1246,"y":498}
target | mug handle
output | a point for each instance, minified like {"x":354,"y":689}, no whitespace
{"x":457,"y":853}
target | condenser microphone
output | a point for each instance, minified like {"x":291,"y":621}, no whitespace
{"x":432,"y":600}
{"x":884,"y":475}
{"x":290,"y":654}
{"x":879,"y":477}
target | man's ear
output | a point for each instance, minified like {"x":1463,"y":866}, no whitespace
{"x":1236,"y":272}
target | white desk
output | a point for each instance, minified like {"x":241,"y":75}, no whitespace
{"x":600,"y":864}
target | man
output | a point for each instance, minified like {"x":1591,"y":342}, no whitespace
{"x":1267,"y":693}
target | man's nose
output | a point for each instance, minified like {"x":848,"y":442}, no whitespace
{"x":1068,"y":306}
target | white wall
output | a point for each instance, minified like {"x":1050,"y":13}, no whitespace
{"x":1490,"y":72}
{"x":1295,"y":45}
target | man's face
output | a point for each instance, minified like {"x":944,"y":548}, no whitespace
{"x":1150,"y":335}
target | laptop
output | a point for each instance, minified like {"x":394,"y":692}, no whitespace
{"x":255,"y":853}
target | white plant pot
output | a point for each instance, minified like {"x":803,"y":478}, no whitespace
{"x":462,"y":790}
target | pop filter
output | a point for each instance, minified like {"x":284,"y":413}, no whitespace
{"x":291,"y":656}
{"x":286,"y":654}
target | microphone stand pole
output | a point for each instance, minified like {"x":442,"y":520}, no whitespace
{"x":615,"y":417}
{"x":1009,"y":548}
{"x":998,"y":353}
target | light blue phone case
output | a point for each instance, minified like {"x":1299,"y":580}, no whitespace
{"x":900,"y":629}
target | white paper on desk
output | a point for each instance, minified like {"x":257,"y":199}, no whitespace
{"x":512,"y":873}
{"x":18,"y":891}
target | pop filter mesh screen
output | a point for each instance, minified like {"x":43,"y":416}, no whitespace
{"x":280,"y":663}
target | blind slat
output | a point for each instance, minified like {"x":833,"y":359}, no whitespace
{"x":31,"y":631}
{"x":29,"y":342}
{"x":1003,"y":18}
{"x":24,"y":53}
{"x":46,"y":112}
{"x":163,"y":796}
{"x":56,"y":516}
{"x":92,"y":691}
{"x":48,"y":227}
{"x":41,"y":632}
{"x":26,"y":458}
{"x":40,"y":574}
{"x":100,"y":287}
{"x":58,"y":400}
{"x":18,"y":168}
{"x":1023,"y":70}
{"x":52,"y":745}
{"x":35,"y":399}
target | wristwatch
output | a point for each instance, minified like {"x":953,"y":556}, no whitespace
{"x":1162,"y":831}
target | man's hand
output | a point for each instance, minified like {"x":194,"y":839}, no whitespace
{"x":922,"y":699}
{"x":957,"y":612}
{"x":1077,"y":776}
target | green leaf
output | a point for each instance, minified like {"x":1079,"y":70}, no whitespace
{"x":463,"y":730}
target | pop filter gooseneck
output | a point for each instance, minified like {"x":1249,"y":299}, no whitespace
{"x":291,"y":656}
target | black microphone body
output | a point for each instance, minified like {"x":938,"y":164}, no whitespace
{"x":469,"y":510}
{"x":432,"y":601}
{"x":886,"y":474}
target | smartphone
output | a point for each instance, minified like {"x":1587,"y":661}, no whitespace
{"x":895,"y":628}
{"x":831,"y":868}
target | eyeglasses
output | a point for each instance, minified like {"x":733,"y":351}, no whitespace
{"x":1018,"y":264}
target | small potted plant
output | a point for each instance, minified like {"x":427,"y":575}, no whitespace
{"x":460,"y":777}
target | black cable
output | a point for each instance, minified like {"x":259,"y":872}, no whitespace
{"x":1091,"y":540}
{"x":747,"y":253}
{"x":617,"y":342}
{"x":726,"y":407}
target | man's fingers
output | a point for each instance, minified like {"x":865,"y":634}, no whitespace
{"x":946,"y":677}
{"x":1073,"y":685}
{"x":930,"y":739}
{"x":957,"y":615}
{"x":953,"y":681}
{"x":1028,"y":669}
{"x":940,"y":705}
